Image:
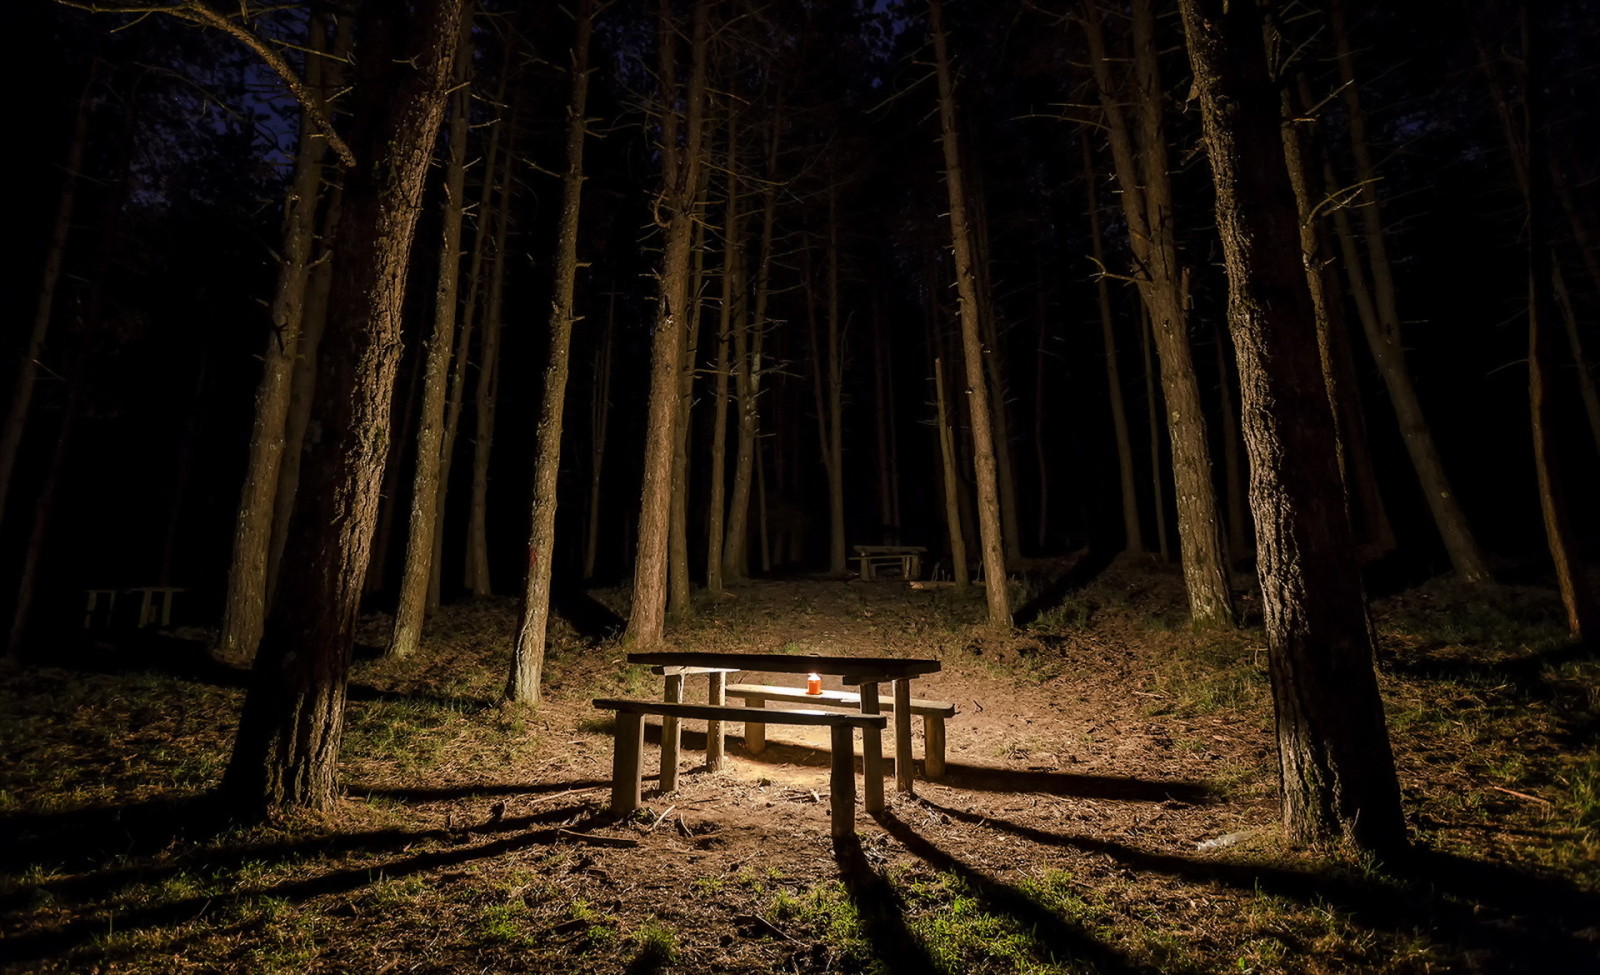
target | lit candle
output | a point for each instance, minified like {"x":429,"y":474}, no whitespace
{"x":814,"y":684}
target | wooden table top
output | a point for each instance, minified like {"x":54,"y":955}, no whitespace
{"x":792,"y":663}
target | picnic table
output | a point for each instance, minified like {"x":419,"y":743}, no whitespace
{"x":864,"y":673}
{"x":907,"y":558}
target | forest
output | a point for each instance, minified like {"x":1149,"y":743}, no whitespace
{"x":1197,"y":396}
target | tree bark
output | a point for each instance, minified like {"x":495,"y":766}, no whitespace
{"x":411,"y":607}
{"x":527,"y":656}
{"x":680,"y":177}
{"x":287,"y":749}
{"x":1336,"y":769}
{"x":244,"y":611}
{"x":732,"y":309}
{"x":996,"y":593}
{"x":947,"y":468}
{"x":680,"y":592}
{"x":486,"y":401}
{"x":1152,"y":404}
{"x":1142,"y":172}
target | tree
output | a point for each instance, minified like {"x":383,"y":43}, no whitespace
{"x":680,"y":178}
{"x":413,"y":597}
{"x":1139,"y":152}
{"x":1335,"y":766}
{"x":527,"y":656}
{"x":287,"y":749}
{"x":978,"y":403}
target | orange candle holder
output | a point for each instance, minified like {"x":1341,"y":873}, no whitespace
{"x":814,"y":684}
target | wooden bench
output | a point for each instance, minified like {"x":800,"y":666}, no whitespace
{"x":933,"y":714}
{"x":907,"y":558}
{"x":626,"y":775}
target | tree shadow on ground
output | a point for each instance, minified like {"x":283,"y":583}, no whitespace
{"x":1528,"y":923}
{"x":1062,"y":938}
{"x":1055,"y":587}
{"x":139,"y":651}
{"x":881,"y":910}
{"x":982,"y":778}
{"x":107,"y":847}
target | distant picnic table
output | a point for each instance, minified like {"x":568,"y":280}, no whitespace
{"x":907,"y":558}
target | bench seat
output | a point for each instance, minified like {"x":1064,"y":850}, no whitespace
{"x":626,"y":773}
{"x":933,"y":715}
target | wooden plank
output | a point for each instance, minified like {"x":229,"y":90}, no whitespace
{"x":842,"y":781}
{"x":716,"y":698}
{"x":797,"y":695}
{"x":783,"y":663}
{"x":933,"y":746}
{"x":671,"y":734}
{"x":706,"y":712}
{"x":626,"y":785}
{"x":669,"y":671}
{"x":902,"y":737}
{"x":871,"y":753}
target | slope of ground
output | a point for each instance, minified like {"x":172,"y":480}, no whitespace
{"x":1109,"y":807}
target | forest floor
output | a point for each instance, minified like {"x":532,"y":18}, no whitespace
{"x":1109,"y":805}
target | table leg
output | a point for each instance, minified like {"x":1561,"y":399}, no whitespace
{"x":625,"y":786}
{"x":755,"y":733}
{"x":871,"y":752}
{"x":842,"y":786}
{"x":671,"y":734}
{"x":902,"y":736}
{"x":716,"y":694}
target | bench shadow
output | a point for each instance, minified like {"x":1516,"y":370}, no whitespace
{"x":881,"y":910}
{"x":1518,"y":916}
{"x":1062,"y":938}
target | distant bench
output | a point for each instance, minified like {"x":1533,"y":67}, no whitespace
{"x":627,"y":785}
{"x":755,"y":696}
{"x":906,"y":558}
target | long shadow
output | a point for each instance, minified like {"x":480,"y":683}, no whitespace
{"x":881,"y":910}
{"x":1062,"y":938}
{"x":141,"y":651}
{"x":981,"y":778}
{"x":33,"y":946}
{"x":585,"y":614}
{"x":1524,"y":919}
{"x":85,"y":840}
{"x":469,"y":791}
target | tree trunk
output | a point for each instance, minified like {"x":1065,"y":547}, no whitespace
{"x":1142,"y":173}
{"x":527,"y":656}
{"x":486,"y":400}
{"x":994,"y":561}
{"x":747,"y":338}
{"x":680,"y":593}
{"x":1239,"y":531}
{"x":680,"y":178}
{"x":1583,"y":612}
{"x":1132,"y":534}
{"x":1152,"y":405}
{"x":287,"y":750}
{"x":732,"y":308}
{"x":947,"y":467}
{"x":377,"y":577}
{"x":16,"y":418}
{"x":412,"y":604}
{"x":318,"y":287}
{"x":1388,"y":348}
{"x":497,"y":174}
{"x":244,"y":612}
{"x":1336,"y":769}
{"x":599,"y":421}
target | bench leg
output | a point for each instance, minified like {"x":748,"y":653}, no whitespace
{"x":755,"y":733}
{"x":871,"y":753}
{"x":716,"y":695}
{"x":902,"y":737}
{"x":671,"y":734}
{"x":842,"y":788}
{"x":625,"y":784}
{"x":933,"y":749}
